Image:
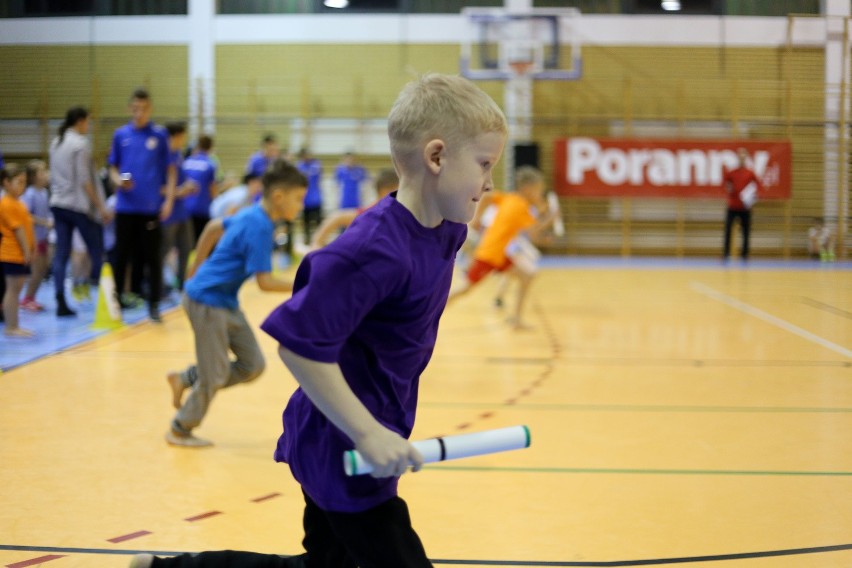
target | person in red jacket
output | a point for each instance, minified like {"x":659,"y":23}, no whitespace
{"x":742,"y":187}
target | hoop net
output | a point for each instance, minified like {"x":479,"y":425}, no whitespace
{"x":520,"y":69}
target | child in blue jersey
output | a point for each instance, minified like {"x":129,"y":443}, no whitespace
{"x":360,"y":329}
{"x":312,"y":213}
{"x":201,"y":168}
{"x":260,"y":161}
{"x":243,"y":247}
{"x":350,"y":175}
{"x":177,"y":229}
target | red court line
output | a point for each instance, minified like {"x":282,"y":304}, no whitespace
{"x":34,"y":561}
{"x":265,"y":497}
{"x":130,"y":536}
{"x":206,"y":515}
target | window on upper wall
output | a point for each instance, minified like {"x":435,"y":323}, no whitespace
{"x":714,"y":7}
{"x":351,"y":6}
{"x":771,"y":7}
{"x":29,"y":8}
{"x":58,"y":8}
{"x":585,"y":6}
{"x":361,"y":6}
{"x":673,"y":6}
{"x":145,"y":7}
{"x":265,"y":6}
{"x":448,"y":6}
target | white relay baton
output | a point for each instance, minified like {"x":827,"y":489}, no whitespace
{"x":553,"y":205}
{"x":453,"y":447}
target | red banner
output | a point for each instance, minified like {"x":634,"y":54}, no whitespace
{"x":623,"y":167}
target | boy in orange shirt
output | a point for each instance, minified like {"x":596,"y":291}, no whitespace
{"x":17,"y":244}
{"x":516,"y":214}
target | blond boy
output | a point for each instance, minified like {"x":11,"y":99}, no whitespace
{"x":361,"y":326}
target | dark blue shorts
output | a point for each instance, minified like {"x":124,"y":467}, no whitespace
{"x":15,"y":269}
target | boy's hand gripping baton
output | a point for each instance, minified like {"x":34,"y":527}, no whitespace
{"x":453,"y":447}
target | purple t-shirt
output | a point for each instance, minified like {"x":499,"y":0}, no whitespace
{"x":370,"y":301}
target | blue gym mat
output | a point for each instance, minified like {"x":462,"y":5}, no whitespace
{"x":54,"y":334}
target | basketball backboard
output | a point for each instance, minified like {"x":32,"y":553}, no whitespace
{"x":540,"y":43}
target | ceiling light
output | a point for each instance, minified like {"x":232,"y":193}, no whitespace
{"x":336,"y":3}
{"x":670,"y":5}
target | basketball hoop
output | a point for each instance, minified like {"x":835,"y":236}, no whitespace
{"x":520,"y":58}
{"x":521,"y":69}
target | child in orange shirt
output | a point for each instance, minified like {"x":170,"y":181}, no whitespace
{"x":17,"y":244}
{"x":516,"y":215}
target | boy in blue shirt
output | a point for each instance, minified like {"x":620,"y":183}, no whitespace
{"x":269,"y":152}
{"x":177,"y":229}
{"x":312,"y":213}
{"x":243,"y":247}
{"x":201,"y":168}
{"x":360,"y":329}
{"x":350,"y":175}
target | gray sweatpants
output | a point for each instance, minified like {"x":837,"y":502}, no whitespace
{"x":216,"y":331}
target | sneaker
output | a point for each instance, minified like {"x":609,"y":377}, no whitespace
{"x":186,"y":440}
{"x":62,"y":309}
{"x":80,"y":292}
{"x":31,"y":305}
{"x":129,"y":300}
{"x":154,"y":314}
{"x":142,"y":561}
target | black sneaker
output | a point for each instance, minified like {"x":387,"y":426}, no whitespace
{"x":62,"y":309}
{"x":154,"y":314}
{"x":130,"y":301}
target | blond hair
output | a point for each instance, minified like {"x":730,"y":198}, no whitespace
{"x":527,"y":175}
{"x":33,"y":167}
{"x":387,"y":179}
{"x":447,"y":107}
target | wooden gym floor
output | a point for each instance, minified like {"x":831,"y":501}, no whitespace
{"x":690,"y":415}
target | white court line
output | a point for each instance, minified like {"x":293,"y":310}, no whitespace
{"x":769,"y":318}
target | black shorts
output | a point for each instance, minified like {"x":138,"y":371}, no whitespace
{"x":15,"y":269}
